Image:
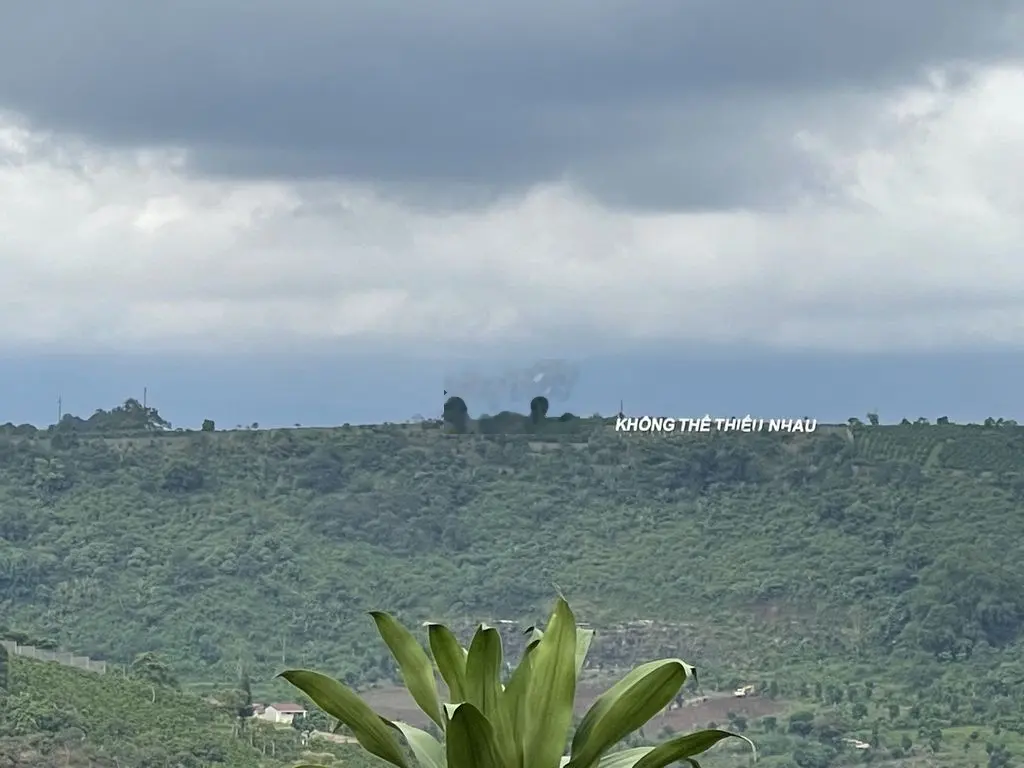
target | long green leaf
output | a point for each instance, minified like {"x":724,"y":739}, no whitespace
{"x":515,"y":699}
{"x":483,"y":670}
{"x":450,"y":658}
{"x":371,"y":730}
{"x":470,"y":741}
{"x":483,"y":686}
{"x":627,"y":758}
{"x":552,"y":689}
{"x":584,"y":637}
{"x":686,"y":747}
{"x":628,"y":681}
{"x":429,"y":751}
{"x":625,"y":707}
{"x":413,"y":662}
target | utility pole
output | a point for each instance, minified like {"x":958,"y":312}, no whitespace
{"x":60,"y":408}
{"x":145,"y":391}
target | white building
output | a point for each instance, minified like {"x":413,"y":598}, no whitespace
{"x":283,"y":712}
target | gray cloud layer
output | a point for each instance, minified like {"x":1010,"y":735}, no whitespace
{"x":661,"y":103}
{"x":829,"y":174}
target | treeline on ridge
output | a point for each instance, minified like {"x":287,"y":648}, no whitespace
{"x":456,"y":420}
{"x":134,"y":418}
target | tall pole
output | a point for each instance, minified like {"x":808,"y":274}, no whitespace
{"x":60,"y":408}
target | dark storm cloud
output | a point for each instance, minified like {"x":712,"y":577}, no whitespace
{"x":668,"y":97}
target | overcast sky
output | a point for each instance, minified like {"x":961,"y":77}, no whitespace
{"x":560,"y":177}
{"x":782,"y":171}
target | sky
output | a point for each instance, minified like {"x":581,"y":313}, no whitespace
{"x":305,"y":211}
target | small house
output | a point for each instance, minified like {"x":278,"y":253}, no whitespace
{"x":283,"y":712}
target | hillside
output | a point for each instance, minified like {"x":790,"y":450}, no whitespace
{"x":51,"y":715}
{"x":886,"y":556}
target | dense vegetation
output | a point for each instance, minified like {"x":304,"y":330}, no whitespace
{"x":871,"y":576}
{"x":51,"y":715}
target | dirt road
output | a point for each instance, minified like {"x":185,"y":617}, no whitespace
{"x":396,"y":704}
{"x":337,"y":738}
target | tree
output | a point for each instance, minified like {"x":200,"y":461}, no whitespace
{"x":524,"y":723}
{"x":302,"y":725}
{"x":998,"y":755}
{"x":152,"y":669}
{"x":538,"y":409}
{"x":456,"y":415}
{"x":133,"y":415}
{"x":314,"y":720}
{"x":243,"y":699}
{"x":5,"y":676}
{"x":208,"y":425}
{"x":873,"y":419}
{"x":737,"y":721}
{"x":801,"y":723}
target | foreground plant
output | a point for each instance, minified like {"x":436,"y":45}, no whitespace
{"x":525,"y":722}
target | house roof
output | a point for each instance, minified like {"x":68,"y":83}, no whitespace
{"x":287,"y":708}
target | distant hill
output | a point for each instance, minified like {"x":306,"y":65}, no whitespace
{"x":887,"y":554}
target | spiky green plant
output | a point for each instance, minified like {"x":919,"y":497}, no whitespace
{"x":525,"y":722}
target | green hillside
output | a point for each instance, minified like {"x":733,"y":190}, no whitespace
{"x":824,"y":566}
{"x":51,"y":715}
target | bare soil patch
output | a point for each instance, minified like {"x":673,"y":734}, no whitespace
{"x":395,"y":703}
{"x":716,"y":710}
